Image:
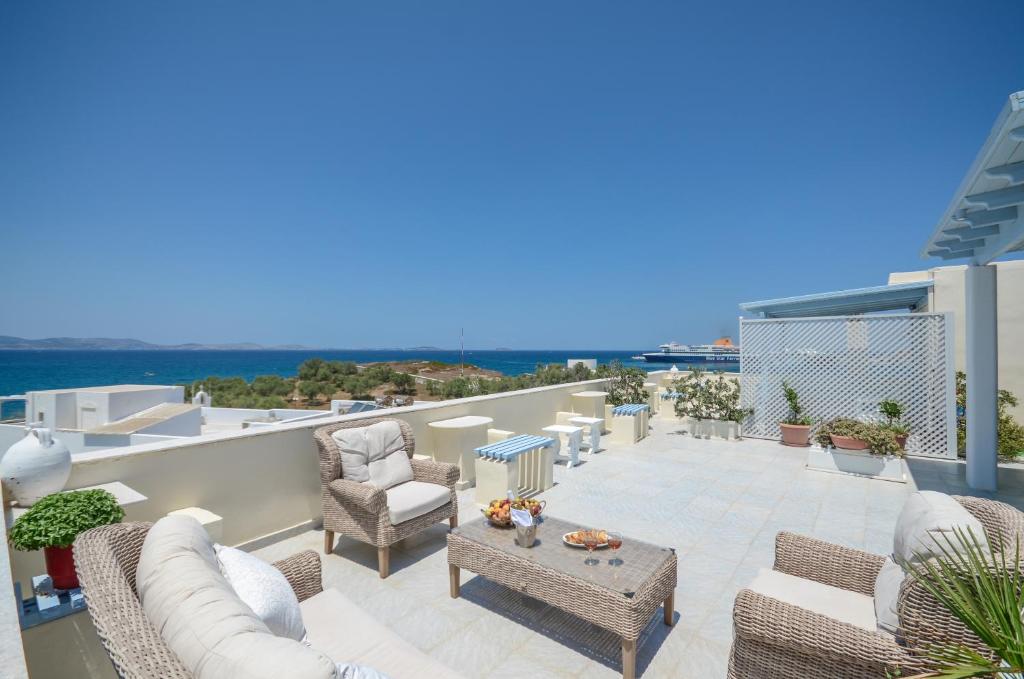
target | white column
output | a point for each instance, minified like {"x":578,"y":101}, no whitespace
{"x":982,"y":381}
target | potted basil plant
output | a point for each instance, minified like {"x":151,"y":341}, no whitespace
{"x":53,"y":523}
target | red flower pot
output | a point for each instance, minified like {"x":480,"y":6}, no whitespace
{"x":901,"y":440}
{"x":795,"y":434}
{"x":847,"y":442}
{"x":60,"y":566}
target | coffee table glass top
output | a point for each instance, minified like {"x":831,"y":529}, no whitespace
{"x":640,"y":560}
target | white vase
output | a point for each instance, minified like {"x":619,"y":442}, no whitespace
{"x":35,"y":467}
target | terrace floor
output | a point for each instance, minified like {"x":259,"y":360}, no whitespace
{"x":718,"y":503}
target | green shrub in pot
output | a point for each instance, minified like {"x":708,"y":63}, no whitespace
{"x":53,"y":523}
{"x":879,"y":438}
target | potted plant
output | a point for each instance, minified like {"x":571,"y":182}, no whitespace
{"x":893,"y":411}
{"x":853,"y":447}
{"x":796,"y":428}
{"x":53,"y":523}
{"x":850,"y":434}
{"x":710,"y":404}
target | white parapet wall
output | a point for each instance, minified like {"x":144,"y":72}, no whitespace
{"x":266,"y":481}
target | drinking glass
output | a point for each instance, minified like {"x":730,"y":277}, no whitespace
{"x":590,"y":542}
{"x":614,"y":542}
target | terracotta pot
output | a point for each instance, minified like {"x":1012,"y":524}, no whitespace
{"x":60,"y":566}
{"x":847,"y":442}
{"x":901,"y":439}
{"x":795,"y":434}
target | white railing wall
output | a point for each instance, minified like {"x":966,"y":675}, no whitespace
{"x":842,"y":366}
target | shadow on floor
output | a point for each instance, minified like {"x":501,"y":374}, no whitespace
{"x":403,"y":554}
{"x":591,"y":641}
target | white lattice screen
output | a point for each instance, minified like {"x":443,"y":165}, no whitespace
{"x":842,"y":366}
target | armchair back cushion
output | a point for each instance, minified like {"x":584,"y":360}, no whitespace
{"x":374,"y":454}
{"x":928,"y":520}
{"x":202,"y":620}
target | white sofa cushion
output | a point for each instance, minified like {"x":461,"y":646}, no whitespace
{"x":203,"y":621}
{"x":887,"y":595}
{"x":374,"y":454}
{"x":264,"y":589}
{"x":415,"y":498}
{"x":338,"y":628}
{"x":347,"y":670}
{"x":927,"y":520}
{"x":839,"y":604}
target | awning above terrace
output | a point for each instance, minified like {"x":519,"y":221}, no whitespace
{"x":986,"y":217}
{"x":844,"y":302}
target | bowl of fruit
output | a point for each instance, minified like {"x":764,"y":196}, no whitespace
{"x":499,"y":512}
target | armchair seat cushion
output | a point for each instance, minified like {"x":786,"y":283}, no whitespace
{"x":346,"y":633}
{"x":414,"y":498}
{"x":839,"y":604}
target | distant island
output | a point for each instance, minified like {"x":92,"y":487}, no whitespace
{"x":124,"y":344}
{"x":114,"y":344}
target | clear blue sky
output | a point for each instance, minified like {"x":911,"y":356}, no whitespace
{"x":548,"y":175}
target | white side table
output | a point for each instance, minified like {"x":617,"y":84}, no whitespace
{"x":456,"y":440}
{"x":573,"y":440}
{"x":593,"y":425}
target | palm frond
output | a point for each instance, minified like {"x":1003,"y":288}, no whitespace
{"x":985,"y":591}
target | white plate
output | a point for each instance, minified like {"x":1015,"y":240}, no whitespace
{"x":565,"y":539}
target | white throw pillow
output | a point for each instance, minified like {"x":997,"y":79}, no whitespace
{"x":887,"y":594}
{"x":374,"y":454}
{"x":264,"y":589}
{"x":349,"y":671}
{"x":927,"y":520}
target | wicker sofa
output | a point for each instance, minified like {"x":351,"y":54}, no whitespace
{"x":361,"y":511}
{"x":773,"y":638}
{"x":106,"y":559}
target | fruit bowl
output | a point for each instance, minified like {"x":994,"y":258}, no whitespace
{"x":499,"y":512}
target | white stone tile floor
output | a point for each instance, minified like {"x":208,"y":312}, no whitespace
{"x":718,"y":503}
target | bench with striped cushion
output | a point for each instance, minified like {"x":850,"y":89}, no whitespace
{"x":630,"y":409}
{"x":510,"y":449}
{"x":522,"y":464}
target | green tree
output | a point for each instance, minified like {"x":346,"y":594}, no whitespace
{"x":1009,"y":432}
{"x":311,"y":390}
{"x":404,"y":383}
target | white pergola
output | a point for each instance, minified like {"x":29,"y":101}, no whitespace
{"x":985,"y":221}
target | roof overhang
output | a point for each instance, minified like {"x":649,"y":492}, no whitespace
{"x":844,"y":302}
{"x":986,"y":217}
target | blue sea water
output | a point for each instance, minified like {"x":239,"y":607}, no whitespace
{"x":21,"y":371}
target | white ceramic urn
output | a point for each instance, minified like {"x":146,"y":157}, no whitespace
{"x":35,"y":467}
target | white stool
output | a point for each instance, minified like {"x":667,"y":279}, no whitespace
{"x":593,"y":425}
{"x":574,"y":438}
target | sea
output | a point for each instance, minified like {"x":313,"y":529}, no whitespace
{"x":27,"y":370}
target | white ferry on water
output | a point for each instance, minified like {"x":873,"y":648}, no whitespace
{"x":722,"y":350}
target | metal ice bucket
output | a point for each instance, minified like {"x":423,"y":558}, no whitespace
{"x":526,"y":535}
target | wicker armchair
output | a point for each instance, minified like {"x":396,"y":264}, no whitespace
{"x":360,"y":511}
{"x":775,"y":639}
{"x":106,"y":559}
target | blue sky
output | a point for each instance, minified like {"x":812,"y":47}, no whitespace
{"x":546,"y":175}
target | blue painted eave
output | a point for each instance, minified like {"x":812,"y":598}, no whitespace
{"x":844,"y":302}
{"x":985,"y":219}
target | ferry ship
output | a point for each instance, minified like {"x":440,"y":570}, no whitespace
{"x":722,"y":350}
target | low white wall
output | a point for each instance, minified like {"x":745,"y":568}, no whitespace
{"x":79,"y":442}
{"x":214,"y":415}
{"x":262,"y":481}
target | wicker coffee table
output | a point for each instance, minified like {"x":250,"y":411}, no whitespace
{"x":620,"y":599}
